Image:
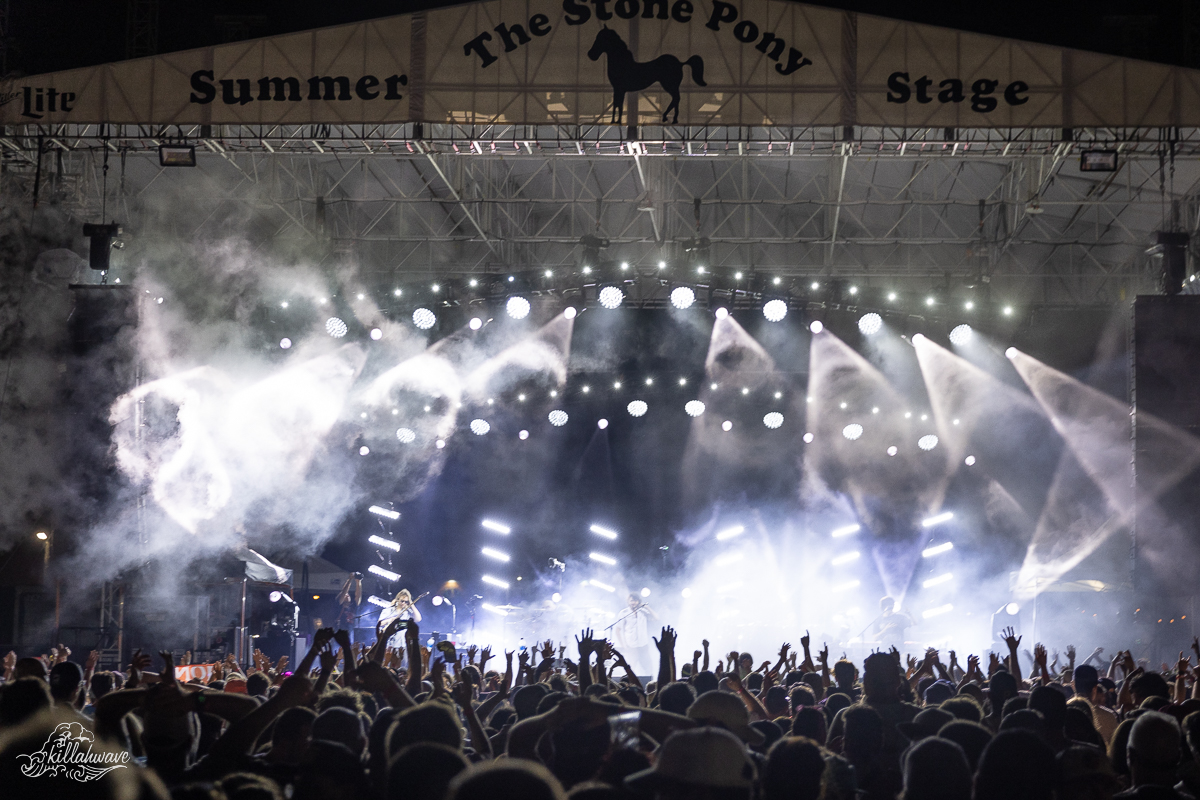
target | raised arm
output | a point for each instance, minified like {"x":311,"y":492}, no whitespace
{"x":1013,"y":642}
{"x":461,"y":692}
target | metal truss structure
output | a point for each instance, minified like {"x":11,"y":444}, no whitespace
{"x":1001,"y":213}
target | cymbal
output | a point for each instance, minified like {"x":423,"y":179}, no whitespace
{"x":508,"y":608}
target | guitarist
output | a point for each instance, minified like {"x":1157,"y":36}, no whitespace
{"x":403,"y":607}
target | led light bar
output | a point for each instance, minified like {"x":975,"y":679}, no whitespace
{"x":496,"y":526}
{"x":845,"y":530}
{"x":383,"y":573}
{"x":493,"y":609}
{"x":732,"y":558}
{"x":937,"y":549}
{"x":379,"y":601}
{"x":937,"y":612}
{"x":605,"y":532}
{"x":729,"y":533}
{"x":496,"y":554}
{"x":845,"y":558}
{"x":382,"y":542}
{"x":945,"y":516}
{"x":938,"y":580}
{"x":384,"y":512}
{"x":600,"y":585}
{"x":603,"y":559}
{"x":495,"y":582}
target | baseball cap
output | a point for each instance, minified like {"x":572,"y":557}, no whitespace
{"x":705,"y":756}
{"x":727,"y":711}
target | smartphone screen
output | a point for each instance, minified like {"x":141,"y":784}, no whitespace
{"x":625,"y":729}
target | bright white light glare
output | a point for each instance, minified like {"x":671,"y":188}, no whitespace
{"x":891,"y":451}
{"x":687,"y":592}
{"x":808,"y":437}
{"x":845,"y":530}
{"x":732,"y":558}
{"x":335,"y":327}
{"x":842,"y":587}
{"x":938,"y":580}
{"x":1011,"y":353}
{"x":440,"y":444}
{"x":475,"y":324}
{"x":495,"y":582}
{"x":376,"y":334}
{"x":637,"y":408}
{"x":845,"y":558}
{"x":496,"y":554}
{"x":682,"y":297}
{"x":385,"y":543}
{"x":729,"y":533}
{"x":364,"y":451}
{"x":387,"y":574}
{"x":603,"y":559}
{"x":569,"y":312}
{"x":937,"y":550}
{"x":489,"y":607}
{"x":276,"y":596}
{"x":727,"y":426}
{"x":492,"y":525}
{"x":285,"y":343}
{"x":694,"y":408}
{"x":556,"y":598}
{"x":378,"y":601}
{"x":611,"y":297}
{"x":558,"y":418}
{"x":945,"y":516}
{"x":480,"y":426}
{"x":773,"y":420}
{"x":1008,"y":311}
{"x":605,"y":532}
{"x":816,"y":326}
{"x":937,"y":612}
{"x":406,"y":435}
{"x":384,"y":512}
{"x":1012,"y":609}
{"x":602,"y":424}
{"x":927,"y":442}
{"x":722,"y":312}
{"x":870,"y":324}
{"x":729,"y":587}
{"x":600,"y":585}
{"x":523,"y":435}
{"x":852,"y":431}
{"x":517,"y":307}
{"x":645,"y":591}
{"x":961,"y":334}
{"x":969,"y":461}
{"x":775,"y":310}
{"x":423,"y":318}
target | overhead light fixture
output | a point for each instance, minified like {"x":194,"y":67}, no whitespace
{"x":383,"y":573}
{"x":961,"y":334}
{"x":378,"y":601}
{"x":384,"y":512}
{"x":945,"y":577}
{"x":517,"y":307}
{"x":945,"y":516}
{"x":495,"y":582}
{"x":384,"y":543}
{"x":870,"y":324}
{"x":605,"y":532}
{"x":424,"y":319}
{"x":682,"y":297}
{"x":729,"y":533}
{"x":176,"y":155}
{"x":775,"y":310}
{"x":937,"y":550}
{"x":611,"y":297}
{"x":492,"y":525}
{"x":845,"y":530}
{"x":603,"y":559}
{"x":496,"y":554}
{"x":845,"y":558}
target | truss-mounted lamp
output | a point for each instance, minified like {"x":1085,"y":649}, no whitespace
{"x":592,"y":245}
{"x":177,"y":155}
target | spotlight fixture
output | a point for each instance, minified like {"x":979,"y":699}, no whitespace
{"x":727,"y":426}
{"x":694,"y":408}
{"x":1008,"y":311}
{"x":1012,"y":609}
{"x":645,"y":591}
{"x":177,"y":155}
{"x":100,"y":243}
{"x":808,"y":438}
{"x":601,"y":531}
{"x":611,"y":297}
{"x":961,"y":334}
{"x":386,"y":574}
{"x":891,"y":297}
{"x":891,"y":451}
{"x":969,"y":461}
{"x":523,"y":435}
{"x":775,"y":310}
{"x":603,"y":559}
{"x":1011,"y":353}
{"x":569,"y":312}
{"x":498,"y":527}
{"x":816,"y":326}
{"x":423,"y":318}
{"x":773,"y":420}
{"x":682,"y":297}
{"x":480,"y":426}
{"x":380,"y":511}
{"x":938,"y":519}
{"x":335,"y":327}
{"x":722,"y":312}
{"x":387,"y":544}
{"x":499,"y":584}
{"x":927,"y":442}
{"x":937,"y":550}
{"x":558,"y":418}
{"x":969,"y":305}
{"x":870,"y":324}
{"x":475,"y":324}
{"x":852,"y":431}
{"x":285,"y":343}
{"x":686,"y":593}
{"x":378,"y":601}
{"x":364,"y":451}
{"x":493,"y":553}
{"x":938,"y":580}
{"x":602,"y":424}
{"x":406,"y":435}
{"x":376,"y":334}
{"x":637,"y":408}
{"x":814,"y":286}
{"x":729,"y":533}
{"x":517,"y":307}
{"x":845,"y":530}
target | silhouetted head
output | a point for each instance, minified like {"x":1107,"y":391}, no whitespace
{"x":607,"y":41}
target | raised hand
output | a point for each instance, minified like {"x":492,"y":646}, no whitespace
{"x":1127,"y":663}
{"x":10,"y":659}
{"x":168,"y":672}
{"x":328,"y":658}
{"x":783,"y":651}
{"x":1184,"y":664}
{"x":704,"y":643}
{"x":822,"y":657}
{"x":547,"y":649}
{"x":584,"y":643}
{"x":484,"y":656}
{"x":912,"y":664}
{"x":1071,"y":653}
{"x":1039,"y":657}
{"x":92,"y":660}
{"x":665,"y":644}
{"x":993,"y":663}
{"x":1196,"y":647}
{"x":462,"y":694}
{"x":895,"y":654}
{"x":281,"y":665}
{"x":973,"y":667}
{"x":471,"y":651}
{"x":1010,"y":639}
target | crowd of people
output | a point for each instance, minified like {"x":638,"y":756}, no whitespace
{"x":573,"y":720}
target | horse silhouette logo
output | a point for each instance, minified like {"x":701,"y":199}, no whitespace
{"x":627,"y":75}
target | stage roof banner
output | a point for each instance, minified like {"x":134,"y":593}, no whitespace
{"x":567,"y":62}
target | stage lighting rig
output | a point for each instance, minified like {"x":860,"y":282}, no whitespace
{"x":592,"y":245}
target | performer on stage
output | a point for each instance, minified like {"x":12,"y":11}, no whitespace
{"x":349,"y":599}
{"x":402,"y":607}
{"x":631,"y":633}
{"x":891,"y":624}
